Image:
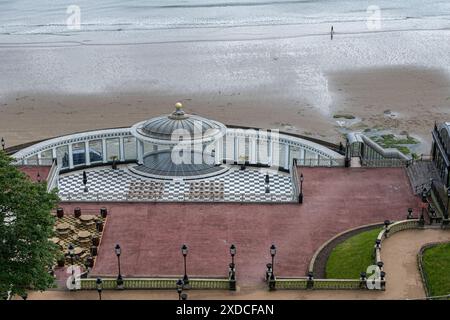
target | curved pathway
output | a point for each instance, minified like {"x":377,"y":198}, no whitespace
{"x":399,"y":254}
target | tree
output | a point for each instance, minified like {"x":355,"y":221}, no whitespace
{"x":26,"y":225}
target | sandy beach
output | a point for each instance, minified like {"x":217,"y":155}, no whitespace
{"x":406,"y":99}
{"x":276,"y":68}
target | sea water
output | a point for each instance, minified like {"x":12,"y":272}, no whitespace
{"x":279,"y":48}
{"x":55,"y":17}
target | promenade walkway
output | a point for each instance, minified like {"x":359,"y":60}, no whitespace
{"x":399,"y":254}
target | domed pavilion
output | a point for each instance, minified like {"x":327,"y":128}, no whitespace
{"x":178,"y":145}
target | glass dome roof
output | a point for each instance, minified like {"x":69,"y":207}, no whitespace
{"x":182,"y":124}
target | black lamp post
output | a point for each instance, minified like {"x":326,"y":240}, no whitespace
{"x":184,"y":252}
{"x":232,"y":252}
{"x":386,"y":225}
{"x":180,"y":284}
{"x":71,"y":250}
{"x":99,"y":288}
{"x":363,"y":276}
{"x":300,"y":197}
{"x":85,"y":181}
{"x":273,"y":252}
{"x":118,"y":252}
{"x":38,"y":177}
{"x":410,"y":216}
{"x":3,"y":144}
{"x":378,"y":243}
{"x":380,"y":264}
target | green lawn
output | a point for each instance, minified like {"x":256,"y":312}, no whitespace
{"x":351,"y":257}
{"x":436,"y":264}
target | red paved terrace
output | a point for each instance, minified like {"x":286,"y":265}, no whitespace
{"x":336,"y":199}
{"x":32,"y":172}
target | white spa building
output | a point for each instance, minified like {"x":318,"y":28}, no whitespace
{"x":213,"y":162}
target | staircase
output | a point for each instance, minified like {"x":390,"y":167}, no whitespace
{"x":420,"y":174}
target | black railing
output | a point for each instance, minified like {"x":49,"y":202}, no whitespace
{"x":440,"y":196}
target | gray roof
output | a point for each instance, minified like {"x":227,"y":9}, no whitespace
{"x":162,"y":127}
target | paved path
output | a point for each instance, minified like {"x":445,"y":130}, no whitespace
{"x":399,"y":254}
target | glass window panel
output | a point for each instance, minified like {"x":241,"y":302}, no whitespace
{"x":112,"y":148}
{"x":130,"y":148}
{"x":47,"y":157}
{"x":33,"y":160}
{"x":79,"y":153}
{"x":263,"y":151}
{"x":148,"y":147}
{"x":62,"y":154}
{"x":96,"y":150}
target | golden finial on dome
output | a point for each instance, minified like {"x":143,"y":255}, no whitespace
{"x":179,"y":112}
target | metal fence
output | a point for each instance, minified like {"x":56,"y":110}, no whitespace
{"x":155,"y":283}
{"x":386,"y":162}
{"x":321,"y":162}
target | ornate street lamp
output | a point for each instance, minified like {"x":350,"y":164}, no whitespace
{"x":118,"y":252}
{"x":232,"y":252}
{"x":184,"y":252}
{"x":99,"y":283}
{"x":180,"y":285}
{"x":410,"y":216}
{"x":300,"y":197}
{"x":71,"y":251}
{"x":85,"y":181}
{"x":3,"y":144}
{"x":386,"y":225}
{"x":273,"y":252}
{"x":380,"y":264}
{"x":377,"y":243}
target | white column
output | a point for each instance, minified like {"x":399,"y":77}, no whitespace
{"x":269,"y":157}
{"x":39,"y":156}
{"x":105,"y":159}
{"x":302,"y":156}
{"x":54,"y":154}
{"x":70,"y":156}
{"x":276,"y":153}
{"x":287,"y":149}
{"x":236,"y":149}
{"x":252,"y":157}
{"x":218,"y":153}
{"x":140,"y":151}
{"x":316,"y":157}
{"x":121,"y":149}
{"x":88,"y":154}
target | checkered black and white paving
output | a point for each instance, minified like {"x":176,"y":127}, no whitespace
{"x":105,"y":184}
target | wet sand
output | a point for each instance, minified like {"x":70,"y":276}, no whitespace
{"x":415,"y":98}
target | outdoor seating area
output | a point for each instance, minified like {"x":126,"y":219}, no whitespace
{"x":146,"y":190}
{"x":77,"y":235}
{"x":201,"y":190}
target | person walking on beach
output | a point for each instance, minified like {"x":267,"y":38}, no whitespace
{"x":332,"y":32}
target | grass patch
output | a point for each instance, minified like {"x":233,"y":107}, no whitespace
{"x":436,"y":265}
{"x":390,"y":141}
{"x":344,"y":116}
{"x":349,"y":258}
